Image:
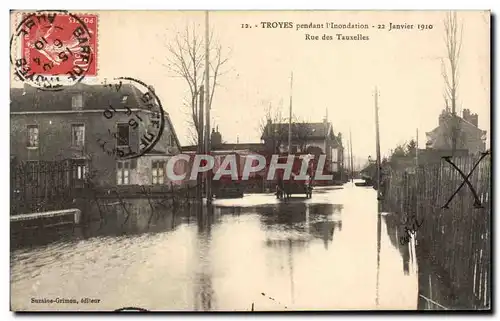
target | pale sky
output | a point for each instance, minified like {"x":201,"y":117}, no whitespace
{"x":338,"y":76}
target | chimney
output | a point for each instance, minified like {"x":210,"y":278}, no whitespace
{"x":442,"y":117}
{"x":466,"y":115}
{"x":215,"y":138}
{"x":474,"y":120}
{"x":471,"y":118}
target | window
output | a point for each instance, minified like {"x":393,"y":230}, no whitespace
{"x":158,"y":172}
{"x":33,"y":136}
{"x":123,"y":173}
{"x":33,"y":172}
{"x":79,"y":170}
{"x":124,"y":99}
{"x":77,"y":102}
{"x":123,"y":135}
{"x":77,"y":135}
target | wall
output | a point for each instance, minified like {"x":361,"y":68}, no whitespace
{"x":55,"y":140}
{"x":144,"y":174}
{"x":334,"y":156}
{"x":54,"y":132}
{"x":336,"y":159}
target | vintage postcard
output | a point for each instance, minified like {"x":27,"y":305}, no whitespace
{"x":250,"y":160}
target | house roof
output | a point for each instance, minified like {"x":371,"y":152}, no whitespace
{"x":448,"y":117}
{"x":94,"y":97}
{"x":254,"y":147}
{"x":313,"y":130}
{"x":31,"y":99}
{"x":436,"y":137}
{"x":310,"y":130}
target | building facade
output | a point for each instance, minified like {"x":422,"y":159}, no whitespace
{"x":70,"y":124}
{"x":312,"y":138}
{"x":469,"y":136}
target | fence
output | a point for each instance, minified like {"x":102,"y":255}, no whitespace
{"x":38,"y":186}
{"x":452,"y":244}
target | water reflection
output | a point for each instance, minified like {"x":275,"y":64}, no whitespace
{"x":297,"y":223}
{"x":395,"y":229}
{"x":131,"y":217}
{"x":300,"y":254}
{"x":203,"y":289}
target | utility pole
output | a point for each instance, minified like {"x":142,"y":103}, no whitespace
{"x":343,"y":164}
{"x":348,"y":164}
{"x":416,"y":177}
{"x":199,"y":179}
{"x":208,"y":175}
{"x":377,"y":137}
{"x":352,"y":157}
{"x":379,"y":204}
{"x":290,"y":118}
{"x":416,"y":151}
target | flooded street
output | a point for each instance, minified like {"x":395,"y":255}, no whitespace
{"x":318,"y":253}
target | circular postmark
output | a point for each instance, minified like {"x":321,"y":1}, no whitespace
{"x":134,"y":119}
{"x":53,"y":49}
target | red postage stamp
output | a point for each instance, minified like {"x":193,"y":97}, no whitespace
{"x":57,"y":44}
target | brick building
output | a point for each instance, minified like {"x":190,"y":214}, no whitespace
{"x":70,"y":124}
{"x":313,"y":138}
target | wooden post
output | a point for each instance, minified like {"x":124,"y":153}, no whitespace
{"x":379,"y":217}
{"x":352,"y":159}
{"x":377,"y":137}
{"x":290,"y":118}
{"x":199,"y":179}
{"x":208,"y":175}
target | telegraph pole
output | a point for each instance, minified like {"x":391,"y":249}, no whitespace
{"x":379,"y":215}
{"x":352,"y":157}
{"x":208,"y":177}
{"x":416,"y":151}
{"x":290,"y":117}
{"x":348,"y":165}
{"x":199,"y":179}
{"x":377,"y":137}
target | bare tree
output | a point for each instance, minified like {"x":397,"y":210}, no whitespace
{"x":187,"y":60}
{"x":271,"y":127}
{"x":302,"y":131}
{"x":450,"y":71}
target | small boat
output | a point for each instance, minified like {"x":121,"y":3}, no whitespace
{"x":367,"y":182}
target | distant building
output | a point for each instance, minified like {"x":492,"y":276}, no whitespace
{"x":313,"y":138}
{"x":218,"y":146}
{"x":50,"y":126}
{"x":469,"y":136}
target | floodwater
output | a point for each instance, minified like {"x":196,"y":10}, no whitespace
{"x":322,"y":253}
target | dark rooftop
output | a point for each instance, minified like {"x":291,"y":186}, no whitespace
{"x":94,"y":97}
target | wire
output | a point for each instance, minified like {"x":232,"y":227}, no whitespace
{"x":433,"y":302}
